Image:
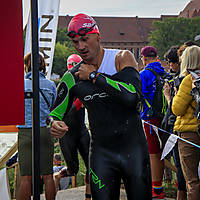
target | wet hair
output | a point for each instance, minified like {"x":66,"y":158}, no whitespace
{"x":41,"y":62}
{"x":172,"y":54}
{"x":190,"y":59}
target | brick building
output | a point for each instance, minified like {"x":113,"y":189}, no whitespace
{"x":191,"y":10}
{"x":130,"y":32}
{"x":121,"y":32}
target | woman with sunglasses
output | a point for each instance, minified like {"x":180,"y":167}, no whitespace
{"x":109,"y":86}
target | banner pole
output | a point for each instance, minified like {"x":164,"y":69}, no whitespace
{"x":35,"y":102}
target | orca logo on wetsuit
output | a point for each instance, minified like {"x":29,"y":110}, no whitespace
{"x":91,"y":97}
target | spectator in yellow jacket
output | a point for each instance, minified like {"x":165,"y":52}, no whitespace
{"x":186,"y":124}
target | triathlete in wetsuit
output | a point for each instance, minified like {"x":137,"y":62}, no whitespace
{"x":77,"y":138}
{"x":112,"y":98}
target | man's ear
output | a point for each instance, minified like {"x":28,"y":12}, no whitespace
{"x":146,"y":60}
{"x":98,"y":37}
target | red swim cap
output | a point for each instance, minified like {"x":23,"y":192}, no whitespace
{"x":82,"y":21}
{"x":73,"y":60}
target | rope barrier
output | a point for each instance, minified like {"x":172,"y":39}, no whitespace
{"x":172,"y":134}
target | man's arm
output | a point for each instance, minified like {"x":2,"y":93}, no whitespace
{"x":62,"y":105}
{"x":125,"y":58}
{"x":124,"y":86}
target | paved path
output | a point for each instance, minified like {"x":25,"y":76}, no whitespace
{"x":78,"y":194}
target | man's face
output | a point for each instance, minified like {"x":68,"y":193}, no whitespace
{"x":143,"y":60}
{"x":173,"y":66}
{"x":87,"y":46}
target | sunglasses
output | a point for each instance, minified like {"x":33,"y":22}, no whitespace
{"x":168,"y":61}
{"x":81,"y":32}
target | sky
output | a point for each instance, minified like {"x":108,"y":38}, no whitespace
{"x":130,"y":8}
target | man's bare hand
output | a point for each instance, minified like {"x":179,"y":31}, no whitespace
{"x":58,"y":129}
{"x":84,"y":71}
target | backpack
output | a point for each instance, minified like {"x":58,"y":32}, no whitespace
{"x":159,"y":105}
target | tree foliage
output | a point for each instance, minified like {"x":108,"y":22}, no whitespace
{"x":61,"y":35}
{"x":63,"y":49}
{"x":60,"y":58}
{"x":62,"y":38}
{"x":173,"y":31}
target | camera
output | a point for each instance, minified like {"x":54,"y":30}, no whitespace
{"x":177,"y":82}
{"x":171,"y":120}
{"x":197,"y":83}
{"x":195,"y":92}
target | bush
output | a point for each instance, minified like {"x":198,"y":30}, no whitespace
{"x":11,"y":180}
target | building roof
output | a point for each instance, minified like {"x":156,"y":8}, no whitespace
{"x":191,"y":10}
{"x":120,"y":29}
{"x":146,"y":26}
{"x":115,"y":29}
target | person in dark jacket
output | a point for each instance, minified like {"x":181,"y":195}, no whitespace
{"x":168,"y":122}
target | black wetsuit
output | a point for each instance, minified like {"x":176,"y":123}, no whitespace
{"x":76,"y":139}
{"x":118,"y":147}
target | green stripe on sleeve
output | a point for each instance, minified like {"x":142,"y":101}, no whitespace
{"x":59,"y":111}
{"x":116,"y":85}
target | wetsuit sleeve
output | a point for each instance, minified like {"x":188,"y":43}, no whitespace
{"x":64,"y":98}
{"x":73,"y":109}
{"x":125,"y":86}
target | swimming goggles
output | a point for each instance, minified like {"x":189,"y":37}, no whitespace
{"x":81,"y":32}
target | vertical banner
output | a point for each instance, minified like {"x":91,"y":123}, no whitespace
{"x":12,"y":63}
{"x":48,"y":11}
